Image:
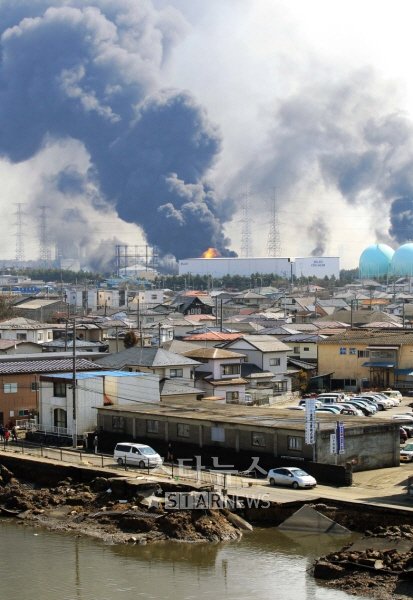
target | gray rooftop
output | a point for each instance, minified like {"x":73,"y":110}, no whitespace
{"x":144,"y":357}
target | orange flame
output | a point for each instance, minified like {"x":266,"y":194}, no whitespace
{"x":210,"y":253}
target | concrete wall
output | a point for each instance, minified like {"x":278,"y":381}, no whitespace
{"x":370,"y":447}
{"x":366,"y":447}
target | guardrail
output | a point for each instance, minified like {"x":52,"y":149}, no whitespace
{"x":176,"y":471}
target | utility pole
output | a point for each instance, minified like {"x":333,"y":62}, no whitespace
{"x":74,"y":383}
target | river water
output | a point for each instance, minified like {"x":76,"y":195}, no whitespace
{"x":266,"y":564}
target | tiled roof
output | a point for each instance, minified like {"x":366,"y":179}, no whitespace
{"x":46,"y":366}
{"x":144,"y":357}
{"x":382,"y":338}
{"x":212,"y":353}
{"x":213,"y":336}
{"x":23,"y":323}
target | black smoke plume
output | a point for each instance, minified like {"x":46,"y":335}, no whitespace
{"x":90,"y":71}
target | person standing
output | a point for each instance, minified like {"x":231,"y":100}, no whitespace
{"x":2,"y":432}
{"x":6,"y":435}
{"x":95,"y":443}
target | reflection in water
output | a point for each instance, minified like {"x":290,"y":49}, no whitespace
{"x":267,"y":563}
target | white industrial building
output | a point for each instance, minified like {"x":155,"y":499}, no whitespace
{"x":309,"y":266}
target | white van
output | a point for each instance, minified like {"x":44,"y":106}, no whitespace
{"x":141,"y":455}
{"x":393,"y":395}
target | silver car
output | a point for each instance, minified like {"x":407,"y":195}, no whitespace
{"x":292,"y":476}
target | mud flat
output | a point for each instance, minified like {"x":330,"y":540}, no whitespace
{"x":106,"y":509}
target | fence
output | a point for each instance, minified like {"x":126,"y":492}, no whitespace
{"x":178,"y":472}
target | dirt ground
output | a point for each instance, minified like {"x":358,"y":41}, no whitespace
{"x":95,"y":510}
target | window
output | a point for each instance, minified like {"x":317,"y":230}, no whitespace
{"x":363,"y":354}
{"x":153,"y":296}
{"x":217,"y":434}
{"x":118,"y":423}
{"x":40,"y":336}
{"x":296,"y":350}
{"x":306,"y":349}
{"x":22,"y":337}
{"x":232,"y":396}
{"x":295,"y":443}
{"x":231,"y":369}
{"x":34,"y":386}
{"x":353,"y":351}
{"x":152,"y":426}
{"x":24,"y":412}
{"x":176,"y":373}
{"x":343,"y":350}
{"x":10,"y":388}
{"x":389,"y":354}
{"x":275,"y":362}
{"x":59,"y":418}
{"x":49,"y":335}
{"x":258,"y":439}
{"x":59,"y":389}
{"x":182,"y":430}
{"x":280,"y":386}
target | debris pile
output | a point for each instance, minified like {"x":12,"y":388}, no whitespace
{"x":379,"y":565}
{"x":102,"y":509}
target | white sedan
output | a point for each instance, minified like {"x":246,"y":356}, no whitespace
{"x":292,"y":476}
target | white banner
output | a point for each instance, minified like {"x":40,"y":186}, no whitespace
{"x":310,"y":424}
{"x":333,"y":443}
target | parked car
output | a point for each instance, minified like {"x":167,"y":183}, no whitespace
{"x":394,"y":395}
{"x":332,"y":410}
{"x":408,"y":417}
{"x":140,"y":455}
{"x":352,"y":411}
{"x":367,"y":408}
{"x":292,"y":476}
{"x":382,"y":404}
{"x":406,"y":453}
{"x":303,"y":401}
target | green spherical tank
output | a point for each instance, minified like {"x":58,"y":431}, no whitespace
{"x":402,"y":261}
{"x":375,"y":261}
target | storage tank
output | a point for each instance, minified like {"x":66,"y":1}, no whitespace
{"x":375,"y":261}
{"x":402,"y":261}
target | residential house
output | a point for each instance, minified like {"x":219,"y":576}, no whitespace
{"x":19,"y":382}
{"x":151,"y":360}
{"x":303,"y":346}
{"x":360,"y":359}
{"x":93,"y":389}
{"x":267,"y":353}
{"x":18,"y":347}
{"x":219,"y":374}
{"x":40,"y":309}
{"x":212,"y":338}
{"x":195,"y":305}
{"x":26,"y":330}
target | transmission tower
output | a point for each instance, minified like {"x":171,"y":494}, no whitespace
{"x":246,"y":229}
{"x":274,"y":241}
{"x":44,"y":246}
{"x":19,"y":232}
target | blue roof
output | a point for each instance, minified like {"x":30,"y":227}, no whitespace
{"x":94,"y":374}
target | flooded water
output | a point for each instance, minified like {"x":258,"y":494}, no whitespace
{"x":41,"y":565}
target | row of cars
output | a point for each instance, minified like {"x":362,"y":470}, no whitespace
{"x":363,"y":404}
